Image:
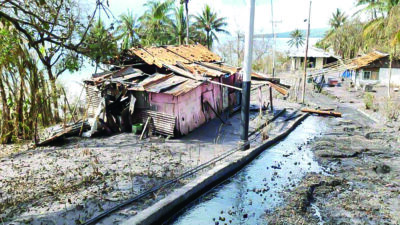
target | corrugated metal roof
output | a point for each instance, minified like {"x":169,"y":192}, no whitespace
{"x":191,"y":62}
{"x":161,"y":83}
{"x":312,"y":52}
{"x":194,"y":53}
{"x":365,"y":60}
{"x":199,"y":70}
{"x":171,"y":55}
{"x":183,"y":88}
{"x":166,"y":84}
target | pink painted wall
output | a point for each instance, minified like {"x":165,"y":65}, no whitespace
{"x":188,"y":108}
{"x":163,"y":102}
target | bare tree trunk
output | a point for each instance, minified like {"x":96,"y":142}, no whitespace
{"x":32,"y":115}
{"x":187,"y":21}
{"x":18,"y":120}
{"x":5,"y":134}
{"x":54,"y":98}
{"x":208,"y":39}
{"x":47,"y":115}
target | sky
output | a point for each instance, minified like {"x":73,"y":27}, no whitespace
{"x":291,"y":13}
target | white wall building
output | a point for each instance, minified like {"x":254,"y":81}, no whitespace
{"x":317,"y":58}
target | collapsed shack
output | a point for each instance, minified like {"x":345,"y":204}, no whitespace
{"x":58,"y":132}
{"x":174,"y":89}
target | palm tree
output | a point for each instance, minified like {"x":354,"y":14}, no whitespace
{"x":297,"y":38}
{"x":178,"y":26}
{"x":155,"y":22}
{"x":371,"y":5}
{"x":338,"y":19}
{"x":127,"y":30}
{"x":211,"y":24}
{"x":187,"y":19}
{"x":378,"y":6}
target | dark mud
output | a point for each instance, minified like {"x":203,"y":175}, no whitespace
{"x":363,"y":181}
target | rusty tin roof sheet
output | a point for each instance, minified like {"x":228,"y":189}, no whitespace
{"x":365,"y":60}
{"x":171,"y":55}
{"x":168,"y":84}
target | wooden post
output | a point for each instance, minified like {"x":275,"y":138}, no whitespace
{"x":260,"y":98}
{"x":305,"y":58}
{"x":69,"y":108}
{"x":270,"y":99}
{"x":145,"y":128}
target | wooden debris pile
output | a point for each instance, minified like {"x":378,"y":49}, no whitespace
{"x":58,"y":132}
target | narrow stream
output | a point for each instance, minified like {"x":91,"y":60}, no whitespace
{"x":244,"y":198}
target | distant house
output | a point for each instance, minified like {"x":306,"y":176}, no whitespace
{"x":317,"y":58}
{"x":373,"y":68}
{"x":178,"y":87}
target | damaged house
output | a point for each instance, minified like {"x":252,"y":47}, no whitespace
{"x":174,"y":88}
{"x":373,"y":68}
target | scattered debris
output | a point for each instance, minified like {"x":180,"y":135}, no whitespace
{"x":55,"y":133}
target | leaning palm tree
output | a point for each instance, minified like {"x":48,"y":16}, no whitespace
{"x":338,"y":19}
{"x":370,"y":5}
{"x":382,"y":7}
{"x":297,"y":38}
{"x":155,"y":22}
{"x":127,"y":30}
{"x":211,"y":24}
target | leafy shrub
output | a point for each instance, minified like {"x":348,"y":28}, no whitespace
{"x":369,"y":101}
{"x":391,"y":110}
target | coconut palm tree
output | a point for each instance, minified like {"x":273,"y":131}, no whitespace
{"x":382,"y":7}
{"x":187,"y":19}
{"x":127,"y":30}
{"x":370,"y":5}
{"x":178,"y":26}
{"x":297,"y":38}
{"x":338,"y":19}
{"x":155,"y":22}
{"x":211,"y":24}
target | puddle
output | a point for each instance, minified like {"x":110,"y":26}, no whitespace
{"x":244,"y":198}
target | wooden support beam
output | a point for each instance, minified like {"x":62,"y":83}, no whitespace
{"x":189,"y":75}
{"x":69,"y":107}
{"x":278,"y":88}
{"x":260,"y":98}
{"x":215,"y":112}
{"x":322,"y":113}
{"x":145,"y":128}
{"x":270,"y":99}
{"x":225,"y":85}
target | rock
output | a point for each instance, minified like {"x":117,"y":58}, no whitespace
{"x":382,"y":168}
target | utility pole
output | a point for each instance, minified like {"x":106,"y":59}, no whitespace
{"x":305,"y":59}
{"x":238,"y":49}
{"x":248,"y":55}
{"x":273,"y":22}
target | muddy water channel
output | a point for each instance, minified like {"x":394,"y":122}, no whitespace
{"x":257,"y":188}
